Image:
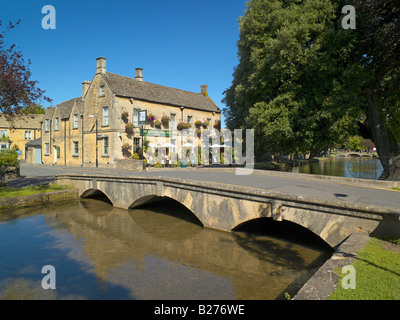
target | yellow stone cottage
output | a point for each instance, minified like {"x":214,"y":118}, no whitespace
{"x":91,"y":130}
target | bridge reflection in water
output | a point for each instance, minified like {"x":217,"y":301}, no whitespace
{"x":155,"y":252}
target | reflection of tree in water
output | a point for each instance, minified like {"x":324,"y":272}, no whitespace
{"x":282,"y":243}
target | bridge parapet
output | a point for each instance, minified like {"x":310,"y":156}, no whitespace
{"x":224,"y":207}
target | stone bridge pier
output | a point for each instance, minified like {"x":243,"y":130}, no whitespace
{"x":225,"y":207}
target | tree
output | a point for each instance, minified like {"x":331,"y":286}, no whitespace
{"x":305,"y":84}
{"x":17,"y":90}
{"x":33,"y":109}
{"x":292,"y":81}
{"x":378,"y":31}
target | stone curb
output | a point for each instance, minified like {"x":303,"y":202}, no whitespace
{"x":325,"y":280}
{"x":38,"y":199}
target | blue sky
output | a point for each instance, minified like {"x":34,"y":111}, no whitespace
{"x":178,"y":43}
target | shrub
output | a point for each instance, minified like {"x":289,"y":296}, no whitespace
{"x":9,"y":158}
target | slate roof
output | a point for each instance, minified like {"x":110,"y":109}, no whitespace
{"x":65,"y":107}
{"x":34,"y":143}
{"x":146,"y":91}
{"x":22,"y":121}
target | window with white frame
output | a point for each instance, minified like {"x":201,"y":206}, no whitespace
{"x":28,"y":135}
{"x":57,"y":124}
{"x":3,"y":133}
{"x":105,"y":116}
{"x":135,"y":120}
{"x":47,"y":125}
{"x":172,"y":121}
{"x":105,"y":146}
{"x":76,"y":121}
{"x":190,"y":120}
{"x":173,"y":141}
{"x":47,"y":148}
{"x":209,"y":123}
{"x":75,"y":148}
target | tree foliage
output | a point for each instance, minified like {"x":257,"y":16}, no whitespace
{"x":17,"y":90}
{"x":306,"y":84}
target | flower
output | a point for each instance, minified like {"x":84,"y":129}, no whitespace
{"x":150,"y":117}
{"x":205,"y":124}
{"x":129,"y":128}
{"x":217,"y":125}
{"x":183,"y":125}
{"x":198,"y":124}
{"x":124,"y":115}
{"x":158,"y":123}
{"x":135,"y":156}
{"x":165,"y":120}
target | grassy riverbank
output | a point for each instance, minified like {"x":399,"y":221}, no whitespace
{"x":15,"y":192}
{"x":377,"y":273}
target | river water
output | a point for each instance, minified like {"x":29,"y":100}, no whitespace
{"x":157,"y":252}
{"x":350,"y":167}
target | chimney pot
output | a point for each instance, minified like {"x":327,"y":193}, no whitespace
{"x":204,"y":88}
{"x":139,"y":74}
{"x":101,"y":65}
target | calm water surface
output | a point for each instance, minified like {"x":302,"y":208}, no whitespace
{"x":350,"y":167}
{"x":100,"y":252}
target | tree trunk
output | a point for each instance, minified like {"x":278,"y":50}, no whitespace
{"x":386,"y":145}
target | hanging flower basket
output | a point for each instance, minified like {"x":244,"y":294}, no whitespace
{"x":183,"y":125}
{"x":198,"y":132}
{"x":158,"y":124}
{"x":129,"y":128}
{"x":205,"y":124}
{"x":198,"y":124}
{"x":165,"y":120}
{"x":124,"y":116}
{"x":150,"y":117}
{"x":126,"y":150}
{"x":217,"y":125}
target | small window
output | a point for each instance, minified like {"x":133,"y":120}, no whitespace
{"x":190,"y":120}
{"x":135,"y":120}
{"x":76,"y":148}
{"x":102,"y":91}
{"x":136,"y":145}
{"x":105,"y":116}
{"x":57,"y":124}
{"x":105,"y":146}
{"x":28,"y":135}
{"x":209,"y":123}
{"x":47,"y":125}
{"x":47,"y":148}
{"x":172,"y":121}
{"x":76,"y":121}
{"x":3,"y":133}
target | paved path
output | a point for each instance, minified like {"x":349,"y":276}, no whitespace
{"x":298,"y":184}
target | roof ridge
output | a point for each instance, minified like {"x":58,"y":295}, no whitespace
{"x":155,"y":84}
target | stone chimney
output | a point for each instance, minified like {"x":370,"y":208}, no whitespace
{"x":85,"y":87}
{"x":139,"y":74}
{"x":204,"y":88}
{"x":101,"y":65}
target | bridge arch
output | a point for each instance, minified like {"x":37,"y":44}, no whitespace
{"x":96,"y":193}
{"x":167,"y":200}
{"x":284,"y":229}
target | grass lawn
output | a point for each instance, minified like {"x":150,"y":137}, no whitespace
{"x":15,"y":192}
{"x":377,"y":273}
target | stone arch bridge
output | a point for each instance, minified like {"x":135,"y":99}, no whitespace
{"x":225,"y":207}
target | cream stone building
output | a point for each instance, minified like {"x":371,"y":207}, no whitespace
{"x":93,"y":129}
{"x":22,"y":129}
